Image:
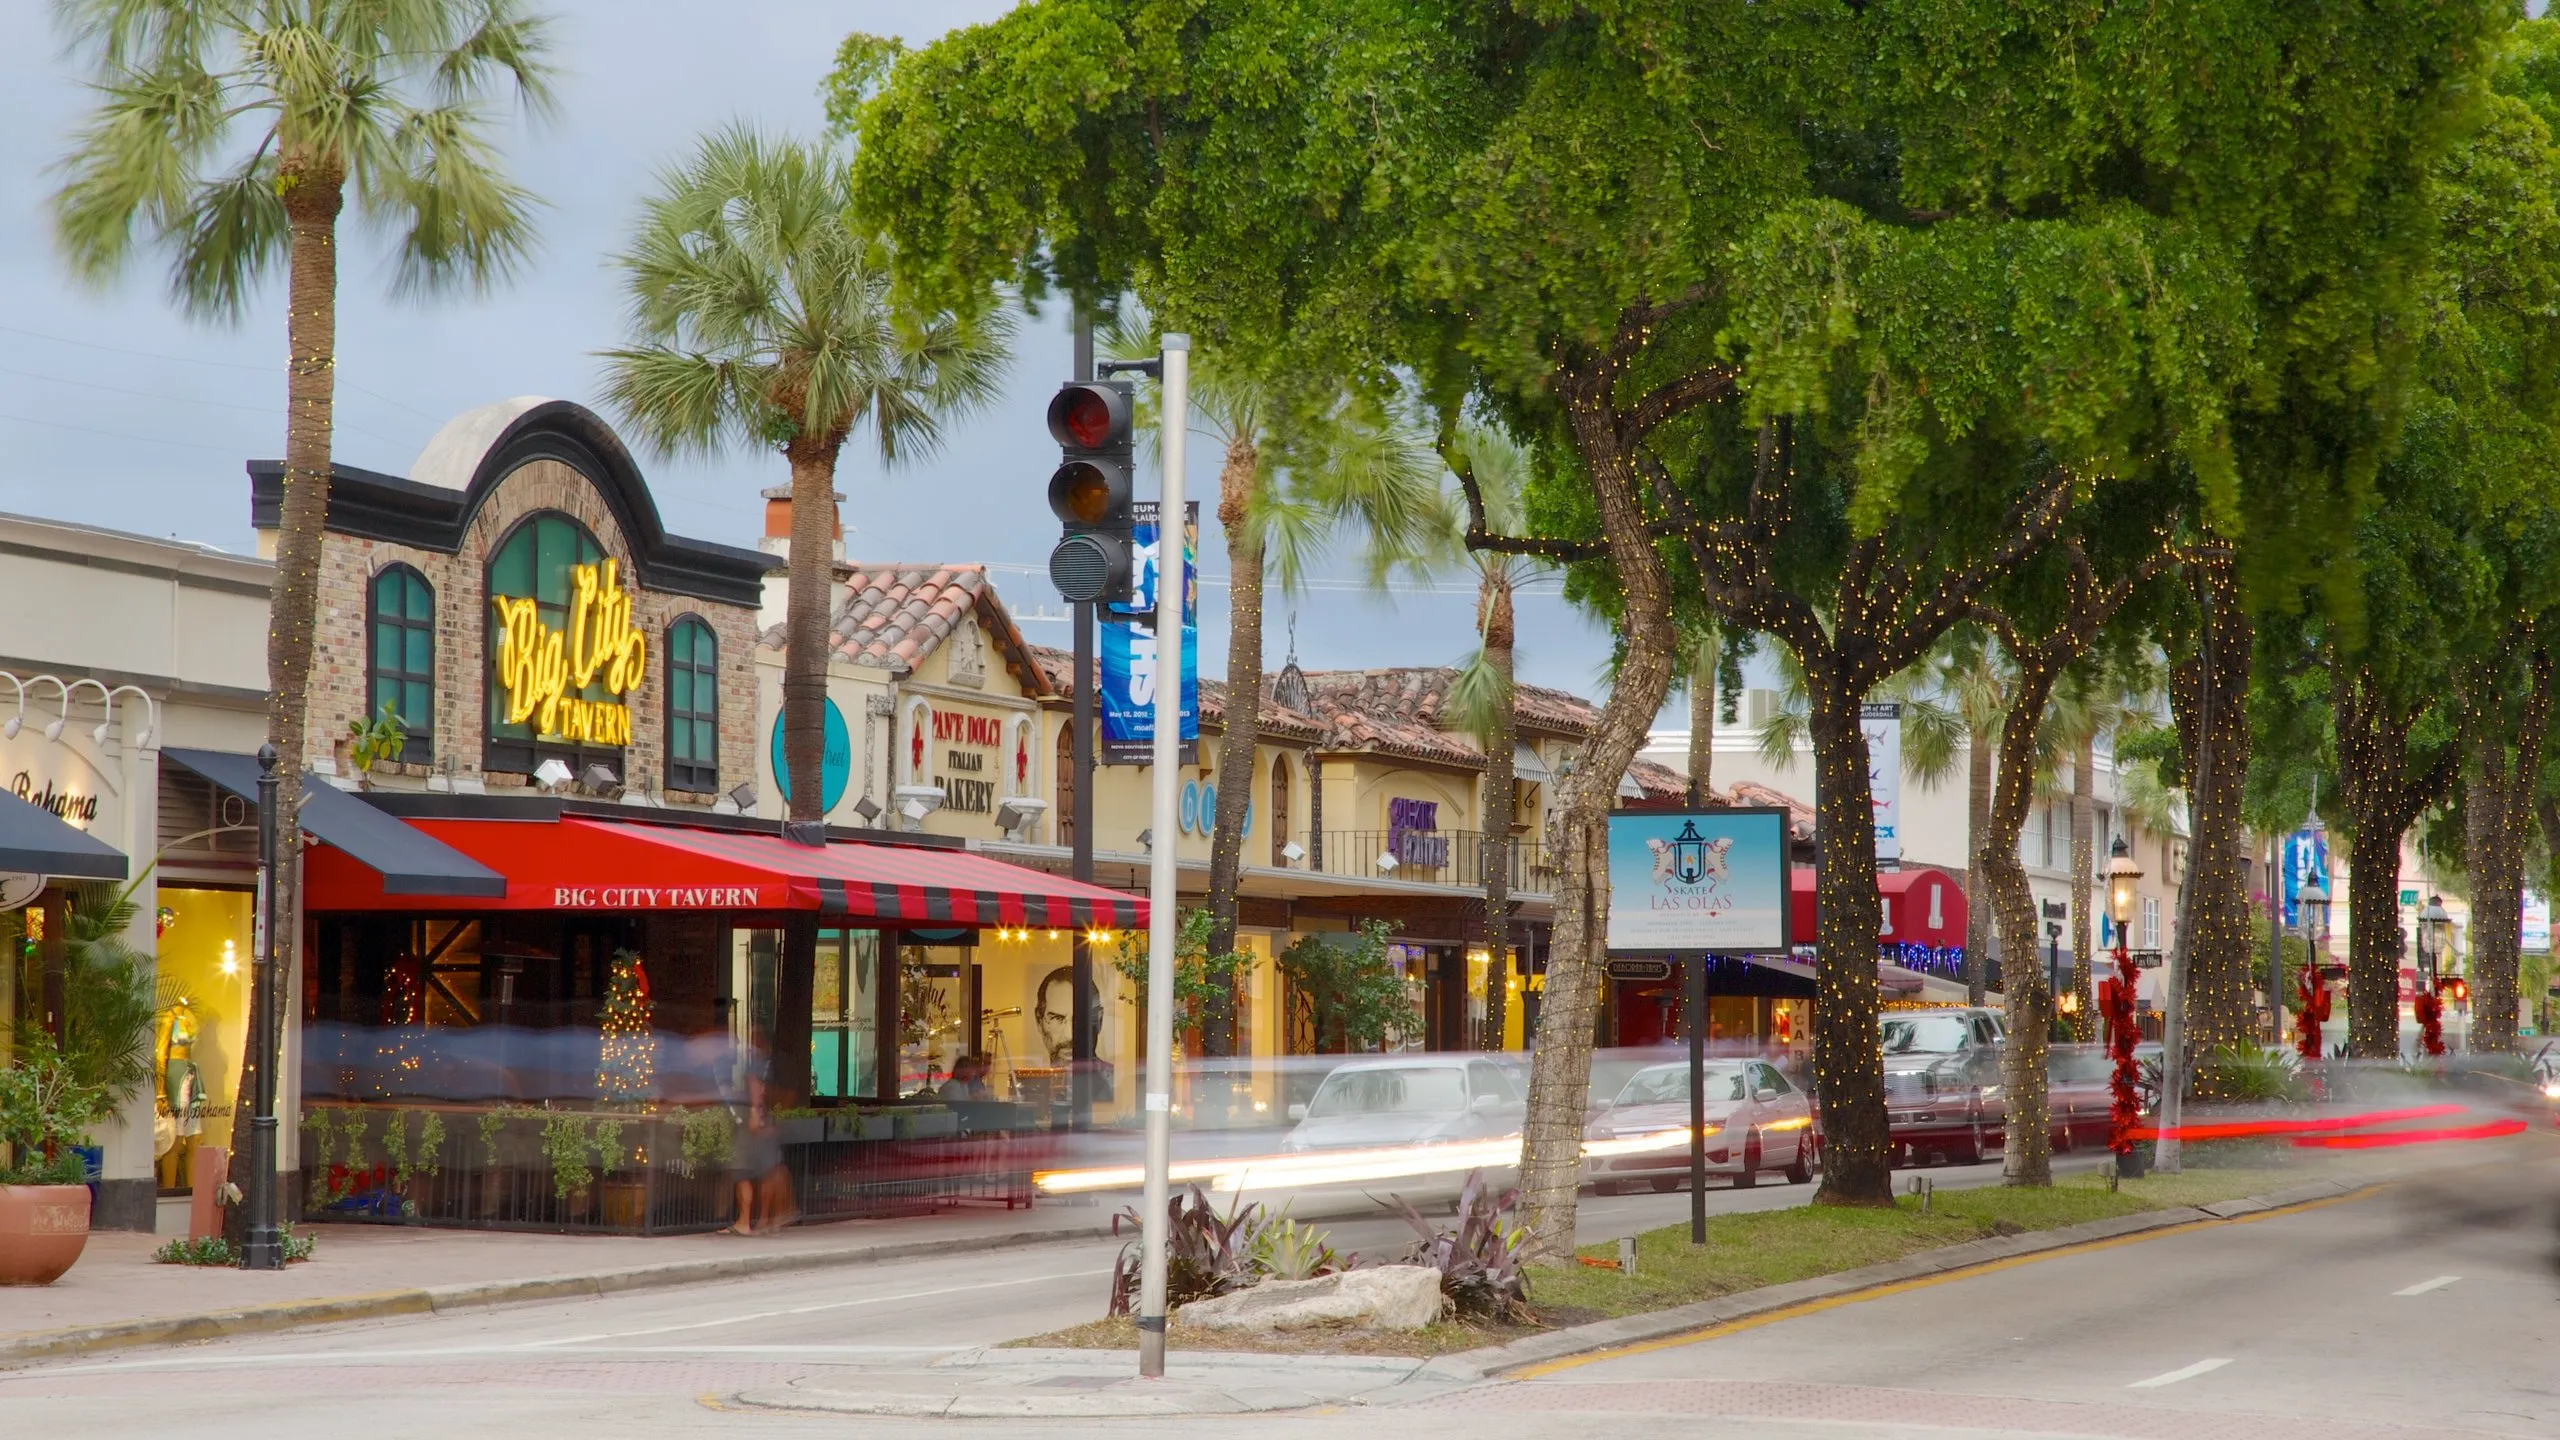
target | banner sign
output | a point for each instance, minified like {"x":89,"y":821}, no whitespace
{"x":1128,"y":651}
{"x":2537,"y":923}
{"x":1883,"y":723}
{"x":1698,"y":881}
{"x":2306,"y":853}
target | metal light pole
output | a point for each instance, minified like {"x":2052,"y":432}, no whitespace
{"x":2123,"y":1016}
{"x":1081,"y":1020}
{"x":1172,"y":580}
{"x":266,"y":1241}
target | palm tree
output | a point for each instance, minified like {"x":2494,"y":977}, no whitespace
{"x":2091,"y":701}
{"x":762,"y":316}
{"x":1706,"y":660}
{"x":1481,"y":696}
{"x":230,"y":135}
{"x":1299,"y":461}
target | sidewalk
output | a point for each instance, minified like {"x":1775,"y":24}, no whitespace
{"x":117,"y":1296}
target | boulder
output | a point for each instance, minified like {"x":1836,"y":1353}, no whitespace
{"x":1384,"y":1297}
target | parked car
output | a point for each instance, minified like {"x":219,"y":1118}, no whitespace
{"x":1942,"y":1084}
{"x":2080,"y":1096}
{"x":1408,"y":1100}
{"x":1756,"y":1121}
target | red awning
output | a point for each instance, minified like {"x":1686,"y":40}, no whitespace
{"x":585,"y":864}
{"x":1921,"y":907}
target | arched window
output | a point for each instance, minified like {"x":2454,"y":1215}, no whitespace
{"x":535,"y":562}
{"x":1279,"y":809}
{"x":400,"y":668}
{"x":693,"y":706}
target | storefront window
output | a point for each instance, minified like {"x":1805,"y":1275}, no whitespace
{"x":202,"y":1024}
{"x":933,"y":1014}
{"x":844,"y":1021}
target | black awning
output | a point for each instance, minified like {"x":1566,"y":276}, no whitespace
{"x":409,"y":861}
{"x":35,"y":841}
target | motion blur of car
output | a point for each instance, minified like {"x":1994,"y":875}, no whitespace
{"x":1408,"y":1100}
{"x":1942,"y":1084}
{"x":1756,"y":1121}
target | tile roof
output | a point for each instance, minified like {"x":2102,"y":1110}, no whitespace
{"x":893,"y":616}
{"x":1753,"y":793}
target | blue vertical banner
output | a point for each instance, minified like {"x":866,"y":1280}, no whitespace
{"x":2306,"y":853}
{"x":1128,"y":649}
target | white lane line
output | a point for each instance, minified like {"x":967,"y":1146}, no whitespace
{"x":2187,"y":1372}
{"x":811,"y":1309}
{"x":454,"y":1352}
{"x":2423,"y":1286}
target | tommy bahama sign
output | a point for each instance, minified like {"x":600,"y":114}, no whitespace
{"x":544,"y":670}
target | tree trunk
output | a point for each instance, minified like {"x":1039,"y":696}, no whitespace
{"x":1848,"y":1066}
{"x":1494,"y":622}
{"x":2026,"y":1005}
{"x":2381,"y":801}
{"x":2084,"y":867}
{"x":2498,"y":811}
{"x":313,"y":191}
{"x":806,"y":642}
{"x":1243,"y":733}
{"x":1702,"y":721}
{"x":1560,"y":1073}
{"x":2209,"y":697}
{"x":1979,"y":745}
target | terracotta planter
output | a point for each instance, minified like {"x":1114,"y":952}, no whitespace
{"x":43,"y":1229}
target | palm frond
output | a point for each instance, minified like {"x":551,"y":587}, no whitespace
{"x":466,"y":225}
{"x":1479,"y":699}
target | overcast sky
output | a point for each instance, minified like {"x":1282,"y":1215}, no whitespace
{"x":116,"y":411}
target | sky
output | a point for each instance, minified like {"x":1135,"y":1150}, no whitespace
{"x":115,"y":410}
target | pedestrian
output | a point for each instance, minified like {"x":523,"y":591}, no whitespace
{"x":759,"y":1154}
{"x":969,"y":1079}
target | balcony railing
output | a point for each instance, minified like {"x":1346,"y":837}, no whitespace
{"x":1432,"y":857}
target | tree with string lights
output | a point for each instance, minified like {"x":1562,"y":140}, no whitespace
{"x":1833,"y":314}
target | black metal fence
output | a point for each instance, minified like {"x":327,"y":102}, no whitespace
{"x":573,"y":1171}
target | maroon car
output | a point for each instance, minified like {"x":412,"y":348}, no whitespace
{"x":1942,"y":1085}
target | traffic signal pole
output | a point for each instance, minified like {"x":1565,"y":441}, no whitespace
{"x":1172,"y":580}
{"x":1082,"y":1021}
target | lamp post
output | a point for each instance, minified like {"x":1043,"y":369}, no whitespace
{"x":2435,"y":931}
{"x":265,"y":1250}
{"x":2116,"y":1003}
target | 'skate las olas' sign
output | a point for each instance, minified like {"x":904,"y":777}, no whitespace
{"x":542,"y":669}
{"x":1697,"y":881}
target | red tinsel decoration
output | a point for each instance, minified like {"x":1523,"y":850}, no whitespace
{"x":2430,"y":1012}
{"x":2313,"y":1010}
{"x":2115,"y":1002}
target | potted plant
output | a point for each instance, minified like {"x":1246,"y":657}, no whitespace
{"x":377,"y":743}
{"x":45,"y":1108}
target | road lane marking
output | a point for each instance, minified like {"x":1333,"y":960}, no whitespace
{"x":810,"y":1309}
{"x":1545,"y":1368}
{"x":2423,"y":1286}
{"x":465,"y":1352}
{"x":2184,"y":1372}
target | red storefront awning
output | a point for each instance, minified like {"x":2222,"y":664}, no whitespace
{"x":1921,"y":907}
{"x":577,"y":863}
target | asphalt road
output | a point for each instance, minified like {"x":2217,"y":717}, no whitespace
{"x":2426,"y":1309}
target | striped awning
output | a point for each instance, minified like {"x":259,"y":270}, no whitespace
{"x":585,"y":863}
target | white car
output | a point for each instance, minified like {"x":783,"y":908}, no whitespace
{"x":1756,"y":1120}
{"x":1408,"y":1100}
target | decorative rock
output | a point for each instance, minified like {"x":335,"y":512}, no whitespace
{"x":1384,"y":1297}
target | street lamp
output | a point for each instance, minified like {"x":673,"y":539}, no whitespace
{"x":2312,"y":904}
{"x":2435,"y":930}
{"x":2115,"y":1001}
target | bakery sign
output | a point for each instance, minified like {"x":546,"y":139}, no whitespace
{"x":972,"y":751}
{"x":572,"y":682}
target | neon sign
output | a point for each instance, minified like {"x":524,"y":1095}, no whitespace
{"x":542,"y":670}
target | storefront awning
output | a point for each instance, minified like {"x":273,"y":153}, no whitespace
{"x":406,"y":861}
{"x":1921,"y":906}
{"x":578,"y":863}
{"x":1525,"y":765}
{"x":35,"y":841}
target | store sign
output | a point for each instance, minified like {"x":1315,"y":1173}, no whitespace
{"x":665,"y":897}
{"x":2306,"y":854}
{"x":835,"y":763}
{"x":1413,"y":834}
{"x":1639,"y":969}
{"x":63,"y":804}
{"x":542,"y":669}
{"x":1698,"y":881}
{"x":971,"y":765}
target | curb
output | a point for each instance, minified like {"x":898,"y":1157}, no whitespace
{"x":1468,"y":1366}
{"x":439,"y":1299}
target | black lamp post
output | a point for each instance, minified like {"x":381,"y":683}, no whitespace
{"x":266,"y":1240}
{"x":2123,"y":1026}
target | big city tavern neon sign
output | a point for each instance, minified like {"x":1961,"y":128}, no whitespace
{"x":542,"y":670}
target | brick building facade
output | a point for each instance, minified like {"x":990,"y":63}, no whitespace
{"x":484,"y":475}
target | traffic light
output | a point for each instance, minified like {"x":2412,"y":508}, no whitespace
{"x":1090,"y":492}
{"x":2454,"y":988}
